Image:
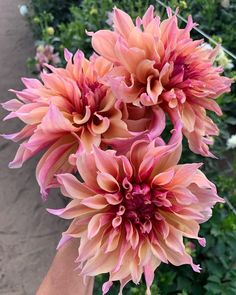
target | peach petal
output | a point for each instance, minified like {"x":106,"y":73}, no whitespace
{"x":31,"y":113}
{"x":149,"y":277}
{"x":159,"y":252}
{"x":145,"y":69}
{"x":113,"y":241}
{"x":188,"y":117}
{"x":78,"y":119}
{"x":12,"y":105}
{"x":54,"y":121}
{"x":88,"y":176}
{"x":71,"y":211}
{"x":54,"y":161}
{"x":102,"y":124}
{"x":89,"y":139}
{"x":184,"y":196}
{"x":154,"y":89}
{"x":106,"y":287}
{"x":116,"y":222}
{"x":174,"y":241}
{"x":148,"y":16}
{"x":184,"y":174}
{"x":107,"y":102}
{"x":113,"y":199}
{"x":22,"y":155}
{"x":143,"y":253}
{"x":163,"y":178}
{"x":95,"y":224}
{"x":73,"y":188}
{"x":96,"y":202}
{"x":104,"y":42}
{"x":27,"y":131}
{"x":100,"y":264}
{"x":105,"y":163}
{"x":128,"y":57}
{"x":107,"y":182}
{"x":89,"y":249}
{"x":123,"y":23}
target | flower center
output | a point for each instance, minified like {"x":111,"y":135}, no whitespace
{"x":138,"y":204}
{"x":88,"y":104}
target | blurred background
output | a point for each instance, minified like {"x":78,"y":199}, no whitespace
{"x":37,"y":31}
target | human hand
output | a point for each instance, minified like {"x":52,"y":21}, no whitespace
{"x":61,"y":278}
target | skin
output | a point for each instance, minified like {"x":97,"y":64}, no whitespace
{"x":62,"y":278}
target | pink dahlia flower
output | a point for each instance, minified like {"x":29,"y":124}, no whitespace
{"x":132,"y":212}
{"x":65,"y":113}
{"x":46,"y":54}
{"x":157,"y":63}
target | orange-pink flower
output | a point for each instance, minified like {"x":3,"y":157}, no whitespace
{"x":132,"y":212}
{"x":69,"y":111}
{"x":157,"y":63}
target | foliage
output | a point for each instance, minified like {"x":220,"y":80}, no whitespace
{"x":217,"y":18}
{"x":60,"y":9}
{"x":89,"y":15}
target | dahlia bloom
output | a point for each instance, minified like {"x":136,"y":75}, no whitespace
{"x":157,"y":63}
{"x":69,"y":111}
{"x":132,"y":212}
{"x":45,"y":54}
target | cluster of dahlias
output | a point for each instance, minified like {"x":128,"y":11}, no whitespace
{"x":103,"y":119}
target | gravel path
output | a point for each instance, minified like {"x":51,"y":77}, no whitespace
{"x":28,"y":234}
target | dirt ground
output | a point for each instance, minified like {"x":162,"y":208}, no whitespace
{"x":28,"y":234}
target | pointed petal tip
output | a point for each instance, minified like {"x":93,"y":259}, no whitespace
{"x":106,"y":287}
{"x":63,"y":240}
{"x":202,"y":242}
{"x":56,"y":212}
{"x":196,"y":267}
{"x":67,"y":55}
{"x":88,"y":33}
{"x":14,"y":165}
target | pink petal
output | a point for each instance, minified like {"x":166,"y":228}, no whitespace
{"x":53,"y":162}
{"x":104,"y":42}
{"x":123,"y":23}
{"x":72,"y":187}
{"x":107,"y":182}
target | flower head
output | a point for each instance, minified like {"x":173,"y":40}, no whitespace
{"x":224,"y":61}
{"x":45,"y":54}
{"x":231,"y":142}
{"x":157,"y":63}
{"x":225,"y":3}
{"x":69,"y":111}
{"x":132,"y":212}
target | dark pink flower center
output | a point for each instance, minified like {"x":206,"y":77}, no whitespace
{"x":92,"y":95}
{"x":140,"y":206}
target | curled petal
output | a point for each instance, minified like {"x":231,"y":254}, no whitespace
{"x":107,"y":182}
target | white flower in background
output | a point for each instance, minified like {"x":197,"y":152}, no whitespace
{"x":225,"y":3}
{"x":224,"y":61}
{"x":231,"y":142}
{"x":23,"y":10}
